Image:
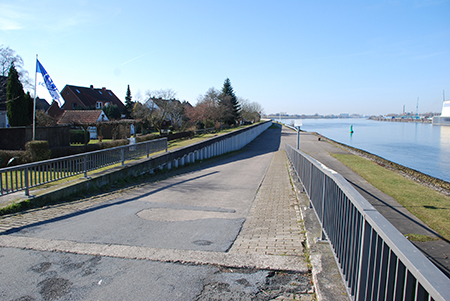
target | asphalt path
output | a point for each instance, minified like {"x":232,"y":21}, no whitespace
{"x":202,"y":210}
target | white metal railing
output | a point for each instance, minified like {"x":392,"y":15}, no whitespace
{"x":376,"y":261}
{"x":26,"y":176}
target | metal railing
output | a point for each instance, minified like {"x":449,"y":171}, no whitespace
{"x":26,"y":176}
{"x":376,"y":261}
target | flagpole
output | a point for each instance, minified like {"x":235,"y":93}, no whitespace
{"x":34,"y":102}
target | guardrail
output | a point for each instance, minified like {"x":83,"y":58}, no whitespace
{"x":26,"y":176}
{"x":376,"y":261}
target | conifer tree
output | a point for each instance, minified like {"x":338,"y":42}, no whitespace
{"x":229,"y":105}
{"x":19,"y":106}
{"x":129,"y":104}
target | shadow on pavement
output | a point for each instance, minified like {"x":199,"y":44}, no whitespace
{"x":266,"y":142}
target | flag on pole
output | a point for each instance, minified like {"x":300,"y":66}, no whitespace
{"x":48,"y":82}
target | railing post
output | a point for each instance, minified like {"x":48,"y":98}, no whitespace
{"x":27,"y":188}
{"x":85,"y":166}
{"x":122,"y":155}
{"x":362,"y":270}
{"x":147,"y":146}
{"x":322,"y":238}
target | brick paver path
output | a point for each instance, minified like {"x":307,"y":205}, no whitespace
{"x":273,"y":225}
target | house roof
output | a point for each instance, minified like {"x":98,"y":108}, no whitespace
{"x":81,"y":117}
{"x":54,"y":110}
{"x":88,"y":96}
{"x":41,"y":104}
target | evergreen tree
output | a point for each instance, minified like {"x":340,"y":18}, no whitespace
{"x":229,"y":106}
{"x":112,"y":112}
{"x":129,"y":104}
{"x":19,"y":106}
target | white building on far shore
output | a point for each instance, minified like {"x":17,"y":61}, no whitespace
{"x":444,"y":119}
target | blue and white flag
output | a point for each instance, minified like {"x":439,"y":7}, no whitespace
{"x":48,"y":82}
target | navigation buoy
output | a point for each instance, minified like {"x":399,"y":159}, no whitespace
{"x":351,"y":129}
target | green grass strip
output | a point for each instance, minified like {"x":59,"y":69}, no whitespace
{"x":430,"y":206}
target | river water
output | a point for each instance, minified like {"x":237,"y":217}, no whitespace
{"x":419,"y":146}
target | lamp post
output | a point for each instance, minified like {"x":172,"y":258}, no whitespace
{"x":298,"y":124}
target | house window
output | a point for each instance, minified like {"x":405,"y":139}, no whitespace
{"x":99,"y":105}
{"x":107,"y":104}
{"x":78,"y":91}
{"x":100,"y":92}
{"x":74,"y":105}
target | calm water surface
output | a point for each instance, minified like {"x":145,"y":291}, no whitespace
{"x":422,"y":147}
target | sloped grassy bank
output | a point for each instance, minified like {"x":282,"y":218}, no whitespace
{"x":426,"y":197}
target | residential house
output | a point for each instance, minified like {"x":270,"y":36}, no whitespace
{"x":83,"y":117}
{"x":54,"y":110}
{"x":41,"y":104}
{"x":91,"y":98}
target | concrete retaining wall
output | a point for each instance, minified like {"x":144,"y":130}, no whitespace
{"x":199,"y":151}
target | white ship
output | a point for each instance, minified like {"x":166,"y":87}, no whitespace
{"x":444,"y":119}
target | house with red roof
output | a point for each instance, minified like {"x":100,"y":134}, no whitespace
{"x":91,"y":98}
{"x":83,"y":117}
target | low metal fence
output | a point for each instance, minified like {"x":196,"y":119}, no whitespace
{"x":376,"y":261}
{"x":26,"y":176}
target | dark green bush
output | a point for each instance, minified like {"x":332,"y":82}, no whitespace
{"x":146,"y":137}
{"x":37,"y":151}
{"x":79,"y":136}
{"x":7,"y":155}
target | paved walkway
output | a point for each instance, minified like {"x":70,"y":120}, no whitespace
{"x":273,"y":225}
{"x":272,"y":237}
{"x":276,"y":225}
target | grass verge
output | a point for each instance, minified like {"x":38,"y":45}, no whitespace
{"x":420,"y":237}
{"x":428,"y":205}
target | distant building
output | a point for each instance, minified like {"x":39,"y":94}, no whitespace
{"x":83,"y":117}
{"x":41,"y":104}
{"x":444,"y":119}
{"x":54,"y":111}
{"x":84,"y":98}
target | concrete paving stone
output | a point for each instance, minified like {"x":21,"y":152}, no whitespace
{"x":272,"y":228}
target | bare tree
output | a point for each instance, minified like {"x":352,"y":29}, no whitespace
{"x":162,"y":93}
{"x":250,"y":111}
{"x":8,"y":57}
{"x":206,"y":110}
{"x":43,"y":119}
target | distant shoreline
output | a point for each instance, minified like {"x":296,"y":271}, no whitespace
{"x":401,"y":120}
{"x":421,"y":120}
{"x":275,"y":117}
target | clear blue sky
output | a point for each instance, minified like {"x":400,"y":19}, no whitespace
{"x":298,"y":57}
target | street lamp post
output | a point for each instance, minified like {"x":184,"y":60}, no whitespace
{"x":298,"y":124}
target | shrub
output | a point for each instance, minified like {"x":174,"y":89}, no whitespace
{"x":6,"y":156}
{"x":79,"y":136}
{"x":146,"y":137}
{"x":37,"y":151}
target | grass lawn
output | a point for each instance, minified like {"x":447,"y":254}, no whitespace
{"x":428,"y":205}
